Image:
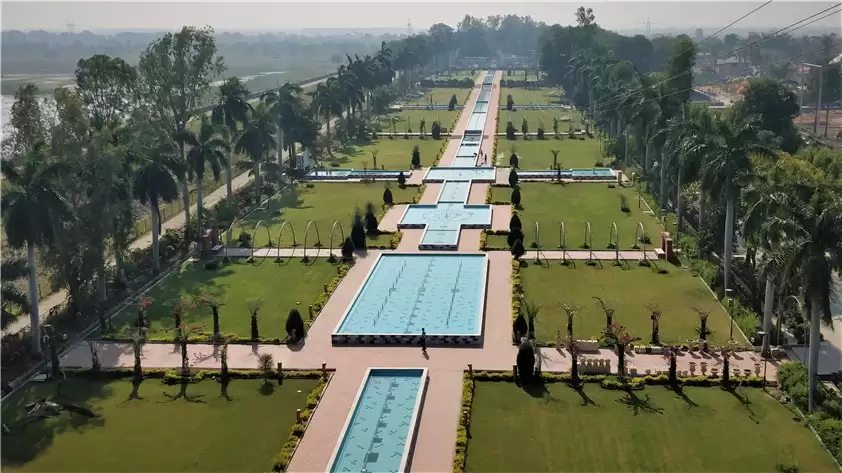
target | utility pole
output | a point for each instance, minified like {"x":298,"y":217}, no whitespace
{"x":818,"y":98}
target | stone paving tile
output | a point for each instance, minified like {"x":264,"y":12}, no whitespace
{"x":500,"y":216}
{"x":389,"y":222}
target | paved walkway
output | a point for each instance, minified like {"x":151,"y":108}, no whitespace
{"x":436,"y":435}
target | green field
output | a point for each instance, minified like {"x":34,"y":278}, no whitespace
{"x":597,"y":430}
{"x":155,"y":432}
{"x":323,"y":203}
{"x":411,"y":119}
{"x":440,"y":96}
{"x":537,"y":154}
{"x":279,"y":286}
{"x":537,"y":96}
{"x":574,"y":204}
{"x":392,"y":153}
{"x":534,"y":118}
{"x":628,"y":290}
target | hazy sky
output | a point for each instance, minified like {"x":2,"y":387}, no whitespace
{"x":285,"y":15}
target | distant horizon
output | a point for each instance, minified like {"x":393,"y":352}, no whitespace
{"x":280,"y":16}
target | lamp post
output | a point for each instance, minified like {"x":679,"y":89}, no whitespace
{"x":728,"y":293}
{"x":818,"y":98}
{"x":763,"y":335}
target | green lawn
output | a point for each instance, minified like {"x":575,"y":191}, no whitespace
{"x":411,"y":119}
{"x":392,"y":153}
{"x":155,"y":433}
{"x":628,"y":290}
{"x":537,"y":96}
{"x":441,"y":95}
{"x":707,"y":430}
{"x":537,"y":154}
{"x":279,"y":286}
{"x":535,"y":117}
{"x":323,"y":203}
{"x":574,"y":204}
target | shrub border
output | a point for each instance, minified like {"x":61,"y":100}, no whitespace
{"x":608,"y":382}
{"x":297,"y":431}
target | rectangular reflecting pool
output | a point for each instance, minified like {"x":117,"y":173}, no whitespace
{"x":379,"y":432}
{"x":443,"y":221}
{"x":477,"y":174}
{"x":444,"y":294}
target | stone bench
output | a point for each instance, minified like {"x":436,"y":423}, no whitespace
{"x":588,"y":346}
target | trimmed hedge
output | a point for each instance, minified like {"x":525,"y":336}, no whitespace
{"x":282,"y":460}
{"x":483,"y":240}
{"x":461,"y":451}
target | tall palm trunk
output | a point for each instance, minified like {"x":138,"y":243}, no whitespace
{"x":280,"y":134}
{"x":662,"y":187}
{"x":229,"y":187}
{"x":34,"y":320}
{"x":327,"y":126}
{"x":646,"y":145}
{"x":815,"y":345}
{"x":768,"y":305}
{"x":257,"y":185}
{"x":703,"y":197}
{"x":200,"y":192}
{"x":101,"y":287}
{"x":153,"y":212}
{"x":678,"y":205}
{"x":729,"y":239}
{"x":185,"y":189}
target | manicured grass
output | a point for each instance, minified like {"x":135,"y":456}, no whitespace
{"x":155,"y":433}
{"x":323,"y":203}
{"x":537,"y":154}
{"x":536,"y":117}
{"x":392,"y":153}
{"x":441,"y":95}
{"x":536,"y":96}
{"x":411,"y":120}
{"x":628,"y":289}
{"x":709,"y":429}
{"x":279,"y":286}
{"x":574,"y":204}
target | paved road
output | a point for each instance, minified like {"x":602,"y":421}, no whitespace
{"x":57,"y":298}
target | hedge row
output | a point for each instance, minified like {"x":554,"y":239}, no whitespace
{"x":297,"y":431}
{"x":172,"y":376}
{"x":483,"y":240}
{"x":826,"y":418}
{"x":461,"y":452}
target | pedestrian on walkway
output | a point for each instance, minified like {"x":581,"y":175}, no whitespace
{"x":423,"y":341}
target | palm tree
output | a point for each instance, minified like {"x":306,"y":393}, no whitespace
{"x":207,"y":148}
{"x":155,"y":182}
{"x":12,"y":298}
{"x":735,"y":139}
{"x":31,"y":210}
{"x":231,"y":112}
{"x":327,"y":103}
{"x":284,"y":106}
{"x":811,"y":252}
{"x":256,"y":141}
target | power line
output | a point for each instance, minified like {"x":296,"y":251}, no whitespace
{"x":713,"y":61}
{"x":716,"y":82}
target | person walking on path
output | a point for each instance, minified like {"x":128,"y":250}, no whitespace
{"x":423,"y":341}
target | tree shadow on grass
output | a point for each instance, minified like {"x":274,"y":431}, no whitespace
{"x":638,"y":405}
{"x":537,"y":388}
{"x":182,"y":394}
{"x":586,"y":400}
{"x":26,"y":440}
{"x":743,"y":399}
{"x":679,"y":392}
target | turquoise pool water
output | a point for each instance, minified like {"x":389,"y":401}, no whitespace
{"x":476,"y":122}
{"x":443,"y":221}
{"x":455,"y":191}
{"x":403,"y":293}
{"x":379,"y":433}
{"x":581,"y":173}
{"x":482,"y":174}
{"x":354,"y":173}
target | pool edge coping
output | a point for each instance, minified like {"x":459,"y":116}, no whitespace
{"x":413,"y":425}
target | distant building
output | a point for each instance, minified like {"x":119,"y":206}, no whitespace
{"x":732,"y":66}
